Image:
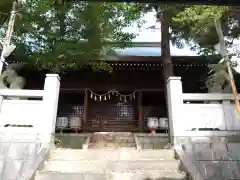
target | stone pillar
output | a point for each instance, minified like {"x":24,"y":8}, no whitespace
{"x":228,"y":114}
{"x":231,"y":116}
{"x":175,"y":106}
{"x":50,"y":103}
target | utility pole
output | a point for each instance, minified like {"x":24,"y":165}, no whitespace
{"x":6,"y":47}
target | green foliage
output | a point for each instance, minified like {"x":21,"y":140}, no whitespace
{"x":196,"y":24}
{"x":164,"y":13}
{"x":193,"y":25}
{"x":69,"y":34}
{"x":170,"y":11}
{"x":218,"y":81}
{"x":200,"y":15}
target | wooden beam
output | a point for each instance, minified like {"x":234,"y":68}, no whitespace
{"x":22,"y":93}
{"x":140,"y":112}
{"x":85,"y":114}
{"x":79,"y":90}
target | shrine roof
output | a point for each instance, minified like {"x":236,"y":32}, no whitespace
{"x":147,"y":52}
{"x":152,"y":51}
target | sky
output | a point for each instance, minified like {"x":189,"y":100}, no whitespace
{"x":150,"y":35}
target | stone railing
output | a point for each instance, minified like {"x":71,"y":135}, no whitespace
{"x":204,"y":129}
{"x":27,"y":125}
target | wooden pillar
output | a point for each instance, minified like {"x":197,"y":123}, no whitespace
{"x":140,"y":112}
{"x":85,"y":113}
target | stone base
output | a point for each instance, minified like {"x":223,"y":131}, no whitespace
{"x":151,"y":141}
{"x":71,"y":141}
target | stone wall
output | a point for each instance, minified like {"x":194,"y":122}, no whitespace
{"x":216,"y":158}
{"x":20,"y":154}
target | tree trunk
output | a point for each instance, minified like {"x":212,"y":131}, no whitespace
{"x":166,"y":56}
{"x":60,"y":8}
{"x":165,"y":43}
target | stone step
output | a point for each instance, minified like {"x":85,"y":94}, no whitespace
{"x":110,"y":145}
{"x":112,"y":155}
{"x":118,"y":134}
{"x":101,"y":166}
{"x":119,"y":141}
{"x":159,"y":175}
{"x":115,"y":139}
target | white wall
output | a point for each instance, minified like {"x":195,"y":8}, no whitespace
{"x":40,"y":113}
{"x":206,"y":154}
{"x":206,"y":110}
{"x":28,"y":112}
{"x":22,"y":149}
{"x":203,"y":116}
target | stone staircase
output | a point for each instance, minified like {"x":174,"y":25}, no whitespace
{"x":117,"y":164}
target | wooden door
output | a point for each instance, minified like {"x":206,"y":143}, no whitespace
{"x":113,"y":116}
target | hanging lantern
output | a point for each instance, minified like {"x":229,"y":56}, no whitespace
{"x":100,"y":98}
{"x":133,"y":96}
{"x":125,"y":98}
{"x":109,"y":96}
{"x":91,"y":95}
{"x":95,"y":98}
{"x":105,"y":98}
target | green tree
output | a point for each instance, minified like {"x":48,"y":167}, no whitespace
{"x":60,"y":34}
{"x":5,"y":8}
{"x":170,"y":31}
{"x":163,"y":15}
{"x":196,"y":24}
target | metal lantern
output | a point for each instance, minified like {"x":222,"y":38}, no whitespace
{"x":163,"y":122}
{"x":62,"y":122}
{"x":75,"y":122}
